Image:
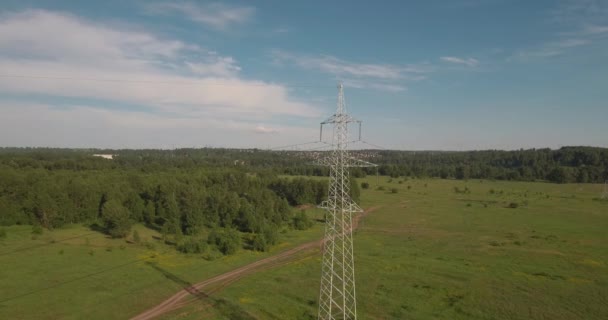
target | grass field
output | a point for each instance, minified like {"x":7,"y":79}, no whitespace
{"x":432,"y":253}
{"x":501,"y":250}
{"x":95,"y":277}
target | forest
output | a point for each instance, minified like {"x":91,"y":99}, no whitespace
{"x":180,"y":203}
{"x":186,"y":192}
{"x":564,"y":165}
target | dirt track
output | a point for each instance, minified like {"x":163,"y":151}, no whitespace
{"x":179,"y":299}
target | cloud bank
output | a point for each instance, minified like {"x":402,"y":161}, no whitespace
{"x":120,"y":69}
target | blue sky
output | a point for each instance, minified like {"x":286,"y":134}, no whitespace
{"x":449,"y":75}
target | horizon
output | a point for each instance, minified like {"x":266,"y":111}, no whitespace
{"x":459,"y":76}
{"x":293,"y":150}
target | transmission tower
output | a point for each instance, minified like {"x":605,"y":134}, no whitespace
{"x":337,"y":297}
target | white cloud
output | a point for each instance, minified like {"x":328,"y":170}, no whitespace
{"x":551,"y":49}
{"x":470,"y":62}
{"x":36,"y":124}
{"x":215,"y":15}
{"x":263,"y":129}
{"x":595,"y":29}
{"x":579,"y":11}
{"x":374,"y":85}
{"x":162,"y":74}
{"x":130,"y":67}
{"x":339,"y":67}
{"x":585,"y":23}
{"x":384,"y":77}
{"x":224,"y":67}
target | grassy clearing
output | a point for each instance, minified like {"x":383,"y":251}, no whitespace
{"x":429,"y":252}
{"x":61,"y":274}
{"x":433,"y":253}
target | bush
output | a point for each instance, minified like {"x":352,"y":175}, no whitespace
{"x":260,"y":243}
{"x":227,"y":241}
{"x":301,"y":221}
{"x":394,"y":190}
{"x":364,"y":185}
{"x":192,"y":245}
{"x":513,"y":205}
{"x":136,"y":237}
{"x":116,"y":219}
{"x":381,"y":188}
{"x":2,"y":234}
{"x":37,"y":229}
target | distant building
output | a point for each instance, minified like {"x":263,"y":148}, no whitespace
{"x":105,"y":156}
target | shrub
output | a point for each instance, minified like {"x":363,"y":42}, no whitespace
{"x":260,"y":243}
{"x":513,"y":205}
{"x":136,"y":237}
{"x":2,"y":233}
{"x":381,"y":188}
{"x":116,"y":219}
{"x":301,"y":221}
{"x":394,"y":190}
{"x":192,"y":245}
{"x":227,"y":241}
{"x":37,"y":229}
{"x":364,"y":185}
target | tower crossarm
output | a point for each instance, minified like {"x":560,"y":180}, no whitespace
{"x":350,"y":162}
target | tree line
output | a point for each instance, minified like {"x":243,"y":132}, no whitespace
{"x":567,"y":164}
{"x":180,"y":203}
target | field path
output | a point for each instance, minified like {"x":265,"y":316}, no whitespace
{"x":225,"y":279}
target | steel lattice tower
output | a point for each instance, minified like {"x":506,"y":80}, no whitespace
{"x":337,"y":298}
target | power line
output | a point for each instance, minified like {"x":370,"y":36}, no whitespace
{"x":193,"y":82}
{"x":293,"y":145}
{"x":72,"y":280}
{"x":374,"y":145}
{"x":46,"y":244}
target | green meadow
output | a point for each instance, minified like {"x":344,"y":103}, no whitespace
{"x":433,"y":249}
{"x":62,"y":274}
{"x":486,"y":250}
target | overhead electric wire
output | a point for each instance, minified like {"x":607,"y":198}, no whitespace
{"x":189,"y":82}
{"x":374,"y":145}
{"x":293,"y":145}
{"x":72,"y":280}
{"x":46,"y":244}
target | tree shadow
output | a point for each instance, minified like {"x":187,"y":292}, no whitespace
{"x":97,"y":227}
{"x":181,"y":282}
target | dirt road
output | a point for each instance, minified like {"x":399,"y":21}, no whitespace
{"x":178,"y":300}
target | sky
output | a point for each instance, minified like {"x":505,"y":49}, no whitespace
{"x":421,"y":75}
